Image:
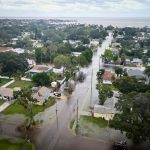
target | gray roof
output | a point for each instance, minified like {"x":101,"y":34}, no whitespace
{"x":103,"y":110}
{"x":136,"y":73}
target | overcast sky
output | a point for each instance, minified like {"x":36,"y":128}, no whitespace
{"x":75,"y":8}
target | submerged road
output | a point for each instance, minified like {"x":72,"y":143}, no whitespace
{"x":57,"y":135}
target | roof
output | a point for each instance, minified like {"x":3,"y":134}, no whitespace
{"x":41,"y":68}
{"x":42,"y":94}
{"x":107,"y":75}
{"x":136,"y":60}
{"x":136,"y":73}
{"x":5,"y":49}
{"x":103,"y":110}
{"x":6,"y":92}
{"x":59,"y":71}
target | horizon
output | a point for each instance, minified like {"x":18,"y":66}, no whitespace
{"x":76,"y":8}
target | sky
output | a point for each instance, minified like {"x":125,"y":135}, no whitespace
{"x":74,"y":8}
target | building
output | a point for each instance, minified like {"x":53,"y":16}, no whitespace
{"x":76,"y":54}
{"x":5,"y":49}
{"x":136,"y":73}
{"x":107,"y":77}
{"x":40,"y":68}
{"x":18,"y":50}
{"x":59,"y":71}
{"x":103,"y":112}
{"x":137,"y":62}
{"x":41,"y":94}
{"x":6,"y":93}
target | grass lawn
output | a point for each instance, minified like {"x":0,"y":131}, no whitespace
{"x":4,"y":81}
{"x":96,"y":121}
{"x":6,"y":144}
{"x":2,"y":101}
{"x":22,"y":84}
{"x":17,"y":108}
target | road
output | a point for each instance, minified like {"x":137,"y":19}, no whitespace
{"x":57,"y":136}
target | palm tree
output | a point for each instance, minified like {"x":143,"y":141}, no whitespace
{"x":147,"y":72}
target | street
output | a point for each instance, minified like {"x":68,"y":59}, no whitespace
{"x":57,"y":135}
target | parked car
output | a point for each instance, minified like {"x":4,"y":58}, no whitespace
{"x":121,"y":145}
{"x":58,"y":94}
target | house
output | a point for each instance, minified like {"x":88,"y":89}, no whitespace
{"x":107,"y":77}
{"x":103,"y":112}
{"x":6,"y":93}
{"x":59,"y":71}
{"x":41,"y":94}
{"x":76,"y":54}
{"x":136,"y":73}
{"x":127,"y":62}
{"x":18,"y":50}
{"x":137,"y":62}
{"x":40,"y":68}
{"x":5,"y":49}
{"x":31,"y":62}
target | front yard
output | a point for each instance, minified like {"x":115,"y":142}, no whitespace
{"x":2,"y":101}
{"x":4,"y":81}
{"x":22,"y":84}
{"x":10,"y":144}
{"x":97,"y":128}
{"x":17,"y":108}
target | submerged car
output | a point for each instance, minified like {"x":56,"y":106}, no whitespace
{"x":121,"y":145}
{"x":58,"y":94}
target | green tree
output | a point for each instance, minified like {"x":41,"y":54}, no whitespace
{"x":147,"y":72}
{"x":41,"y":79}
{"x":100,"y":75}
{"x":134,"y":116}
{"x":26,"y":100}
{"x":108,"y":55}
{"x":105,"y":92}
{"x":119,"y":71}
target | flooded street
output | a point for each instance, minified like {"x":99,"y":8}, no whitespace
{"x":57,"y":135}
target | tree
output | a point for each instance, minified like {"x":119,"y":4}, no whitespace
{"x":147,"y":71}
{"x":119,"y":71}
{"x":62,"y":61}
{"x":128,"y":84}
{"x":105,"y":92}
{"x":11,"y":63}
{"x":100,"y":75}
{"x":27,"y":101}
{"x":134,"y":116}
{"x":108,"y":55}
{"x":85,"y":40}
{"x":41,"y":79}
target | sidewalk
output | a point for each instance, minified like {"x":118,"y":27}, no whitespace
{"x":5,"y":105}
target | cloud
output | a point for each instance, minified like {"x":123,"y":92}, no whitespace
{"x":75,"y":7}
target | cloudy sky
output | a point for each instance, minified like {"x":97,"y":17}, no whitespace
{"x":75,"y":8}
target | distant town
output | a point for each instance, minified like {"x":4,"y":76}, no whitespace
{"x":71,"y":86}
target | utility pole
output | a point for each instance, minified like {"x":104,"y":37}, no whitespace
{"x":56,"y":114}
{"x":91,"y":89}
{"x":77,"y":114}
{"x":99,"y":62}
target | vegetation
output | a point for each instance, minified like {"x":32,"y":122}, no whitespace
{"x":9,"y":144}
{"x":100,"y":122}
{"x":41,"y":79}
{"x":22,"y":84}
{"x":4,"y":81}
{"x":134,"y":119}
{"x":12,"y":63}
{"x":2,"y":101}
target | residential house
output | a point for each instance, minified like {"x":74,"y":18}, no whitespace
{"x":76,"y":54}
{"x":127,"y":62}
{"x":103,"y":112}
{"x":137,"y":62}
{"x":40,"y":68}
{"x":107,"y":77}
{"x":6,"y":93}
{"x":41,"y":94}
{"x":58,"y":71}
{"x":136,"y":73}
{"x":5,"y":49}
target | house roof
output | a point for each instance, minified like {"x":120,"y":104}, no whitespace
{"x":42,"y":94}
{"x":136,"y":73}
{"x":136,"y":60}
{"x":5,"y":49}
{"x":107,"y":75}
{"x":6,"y":92}
{"x":41,"y":68}
{"x":103,"y":110}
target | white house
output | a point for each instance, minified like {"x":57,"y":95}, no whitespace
{"x":6,"y":93}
